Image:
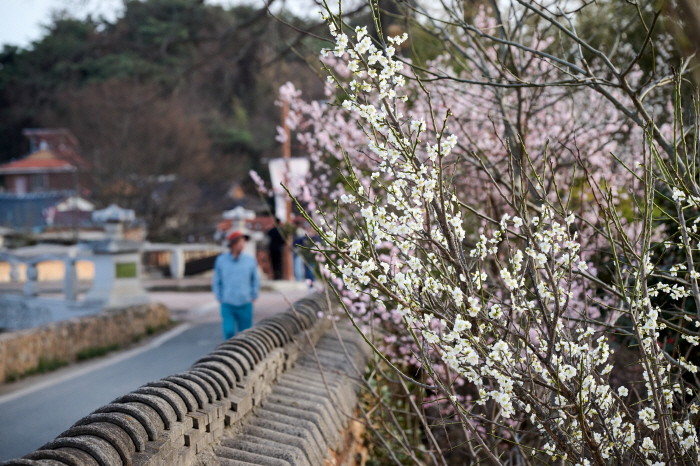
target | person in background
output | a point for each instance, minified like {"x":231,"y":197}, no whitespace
{"x":236,"y":285}
{"x":276,"y":249}
{"x":299,"y":243}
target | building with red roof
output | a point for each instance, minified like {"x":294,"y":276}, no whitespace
{"x":53,"y":163}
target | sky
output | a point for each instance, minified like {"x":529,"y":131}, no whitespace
{"x":21,"y":20}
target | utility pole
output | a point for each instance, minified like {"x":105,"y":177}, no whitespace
{"x":74,"y":208}
{"x":287,"y":257}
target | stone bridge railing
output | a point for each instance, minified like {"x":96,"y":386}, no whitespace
{"x":69,"y":258}
{"x":116,"y":281}
{"x":280,"y":394}
{"x":181,"y":253}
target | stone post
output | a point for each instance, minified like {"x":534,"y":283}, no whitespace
{"x":114,"y":230}
{"x":238,"y":217}
{"x":70,"y":280}
{"x":117,"y":262}
{"x":15,"y":274}
{"x":177,"y":262}
{"x":31,"y":283}
{"x":117,"y":274}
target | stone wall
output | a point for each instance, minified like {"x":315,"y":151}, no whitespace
{"x":22,"y":350}
{"x":281,"y":393}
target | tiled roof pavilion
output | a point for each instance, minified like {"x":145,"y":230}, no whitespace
{"x":41,"y":161}
{"x":51,"y":150}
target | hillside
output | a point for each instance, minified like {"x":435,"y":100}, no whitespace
{"x":172,"y":102}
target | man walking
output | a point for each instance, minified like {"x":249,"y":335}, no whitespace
{"x":236,"y":285}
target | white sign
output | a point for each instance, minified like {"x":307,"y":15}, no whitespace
{"x":290,"y":172}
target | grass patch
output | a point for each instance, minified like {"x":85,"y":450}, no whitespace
{"x":45,"y":365}
{"x":150,"y":330}
{"x":96,"y":351}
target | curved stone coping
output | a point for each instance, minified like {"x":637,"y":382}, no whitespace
{"x":263,"y":384}
{"x":305,"y":418}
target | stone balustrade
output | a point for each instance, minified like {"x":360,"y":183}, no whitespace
{"x":69,"y":258}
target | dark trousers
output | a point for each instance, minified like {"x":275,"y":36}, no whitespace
{"x":276,"y":260}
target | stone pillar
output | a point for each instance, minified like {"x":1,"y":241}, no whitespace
{"x":31,"y":283}
{"x":238,"y":217}
{"x":117,"y":275}
{"x":177,"y":262}
{"x":15,"y":274}
{"x":70,"y":280}
{"x":114,"y":230}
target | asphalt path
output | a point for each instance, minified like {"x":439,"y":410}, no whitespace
{"x":35,"y":412}
{"x":29,"y":421}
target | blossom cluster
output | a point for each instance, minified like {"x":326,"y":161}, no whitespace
{"x":505,"y":316}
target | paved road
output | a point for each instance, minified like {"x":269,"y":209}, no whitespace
{"x":36,"y":411}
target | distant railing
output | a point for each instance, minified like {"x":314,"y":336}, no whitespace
{"x":29,"y":265}
{"x":179,"y":259}
{"x":76,"y":264}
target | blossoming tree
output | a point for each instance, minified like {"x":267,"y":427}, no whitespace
{"x":498,"y":216}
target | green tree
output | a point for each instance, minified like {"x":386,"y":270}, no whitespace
{"x":206,"y":75}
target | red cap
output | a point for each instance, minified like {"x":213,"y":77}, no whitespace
{"x":234,"y":235}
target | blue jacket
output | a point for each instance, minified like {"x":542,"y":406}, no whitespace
{"x":236,"y":281}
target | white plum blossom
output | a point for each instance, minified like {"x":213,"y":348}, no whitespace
{"x":518,"y":310}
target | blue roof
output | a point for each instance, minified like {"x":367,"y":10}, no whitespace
{"x":28,"y":211}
